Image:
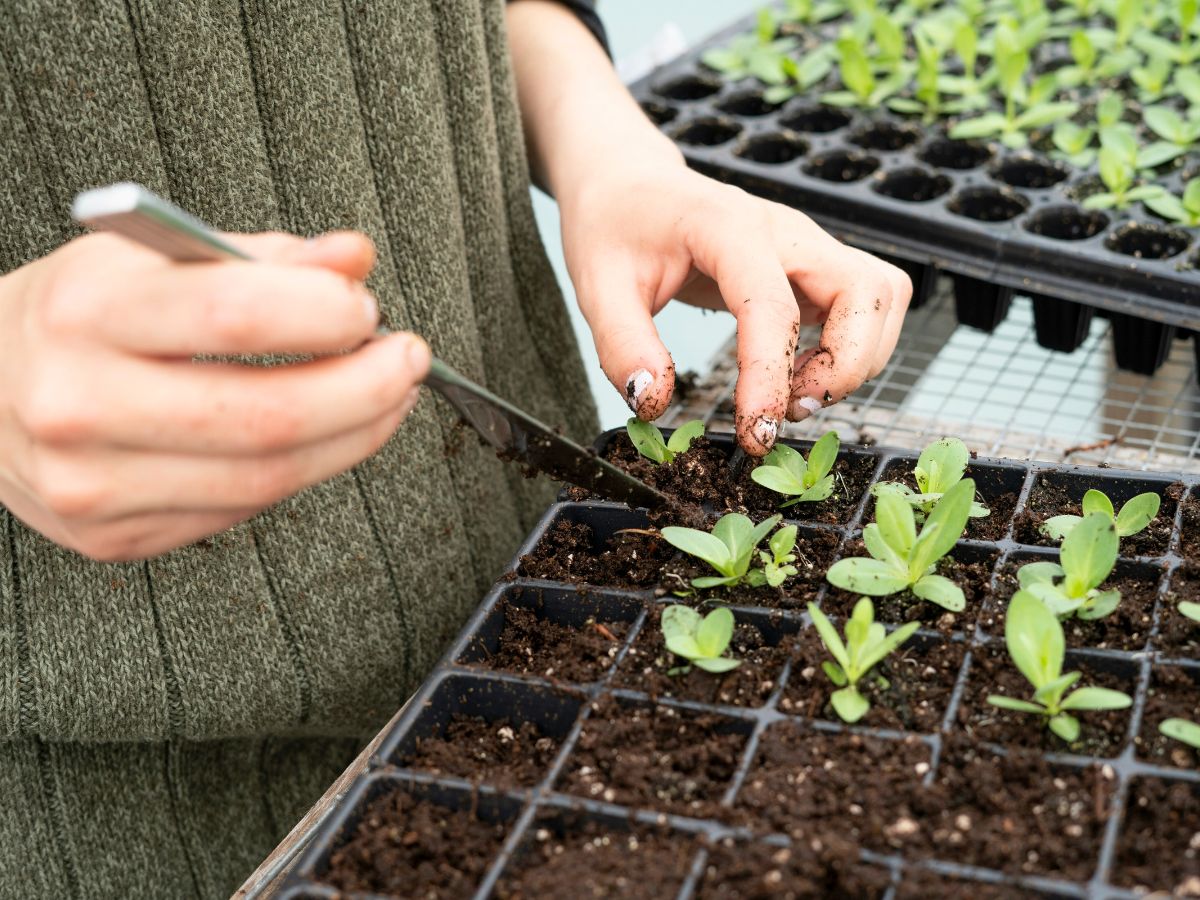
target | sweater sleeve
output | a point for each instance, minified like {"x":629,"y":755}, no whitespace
{"x":585,"y":11}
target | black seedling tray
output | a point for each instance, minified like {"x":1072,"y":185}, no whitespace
{"x":994,"y":219}
{"x":562,"y":709}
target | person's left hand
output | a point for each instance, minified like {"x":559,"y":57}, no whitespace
{"x":635,"y":239}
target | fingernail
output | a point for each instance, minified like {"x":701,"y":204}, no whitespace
{"x":410,"y":401}
{"x":371,"y":308}
{"x":803,"y":407}
{"x":765,"y":431}
{"x":418,"y":354}
{"x":635,"y":388}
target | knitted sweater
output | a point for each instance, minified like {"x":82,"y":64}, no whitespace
{"x":163,"y":724}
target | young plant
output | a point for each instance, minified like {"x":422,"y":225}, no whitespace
{"x":865,"y":647}
{"x":902,"y":559}
{"x":1133,"y":517}
{"x":777,"y":565}
{"x":1183,"y":50}
{"x":1073,"y":143}
{"x":940,"y":466}
{"x":786,"y":471}
{"x":1071,"y":587}
{"x":927,"y":98}
{"x":1035,"y":642}
{"x":759,"y":53}
{"x":702,"y":641}
{"x":1177,"y":136}
{"x":1185,"y":210}
{"x":1151,"y":79}
{"x":808,"y":12}
{"x":1089,"y":64}
{"x":649,"y":440}
{"x":801,"y":75}
{"x":729,"y":548}
{"x":1182,"y":730}
{"x":863,"y":89}
{"x":1118,"y":170}
{"x":970,"y":89}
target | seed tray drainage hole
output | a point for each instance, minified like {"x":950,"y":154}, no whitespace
{"x":1029,"y":172}
{"x":987,"y":204}
{"x":947,"y":154}
{"x":885,"y":136}
{"x":772,"y":149}
{"x":659,"y":113}
{"x":1148,"y":241}
{"x":1067,"y":223}
{"x":817,"y":119}
{"x":688,"y":87}
{"x":707,"y":132}
{"x":912,"y":184}
{"x":841,"y":165}
{"x":747,"y":103}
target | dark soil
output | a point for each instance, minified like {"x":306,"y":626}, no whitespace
{"x":990,"y":528}
{"x":1158,"y":849}
{"x":1189,"y":541}
{"x":1179,"y":636}
{"x":1048,"y":499}
{"x":972,"y":574}
{"x":1126,"y":628}
{"x":825,"y":868}
{"x":654,"y":756}
{"x":647,"y":663}
{"x":532,"y":645}
{"x":501,"y":753}
{"x":590,"y":860}
{"x":812,"y":785}
{"x":414,"y":848}
{"x":920,"y":675}
{"x":1173,"y":694}
{"x":922,"y":884}
{"x":815,"y":552}
{"x":1101,"y":733}
{"x":568,"y":553}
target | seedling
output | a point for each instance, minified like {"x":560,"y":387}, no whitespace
{"x":728,"y":549}
{"x":702,"y":641}
{"x":759,"y":53}
{"x":800,"y":75}
{"x":1035,"y":642}
{"x":866,"y":645}
{"x":1177,"y":133}
{"x":900,"y":558}
{"x":863,"y":88}
{"x":1181,"y":51}
{"x":1182,"y":730}
{"x":777,"y":565}
{"x":1151,"y":79}
{"x":940,"y":466}
{"x":1071,"y":587}
{"x":786,"y":471}
{"x":1185,"y":210}
{"x":649,"y":440}
{"x":927,"y":98}
{"x":1190,"y":609}
{"x":1133,"y":517}
{"x":1073,"y":143}
{"x":968,"y":87}
{"x":1119,"y":163}
{"x":1090,"y":66}
{"x":807,"y":12}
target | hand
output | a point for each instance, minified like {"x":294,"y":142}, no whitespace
{"x":115,"y":443}
{"x":635,"y":240}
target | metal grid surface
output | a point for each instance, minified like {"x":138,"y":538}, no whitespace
{"x":1002,"y":393}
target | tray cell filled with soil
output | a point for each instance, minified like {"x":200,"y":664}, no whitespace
{"x":741,"y":870}
{"x":1179,"y":635}
{"x":482,"y":730}
{"x":762,"y":642}
{"x":1173,"y":693}
{"x":1189,"y":538}
{"x":1061,"y":493}
{"x":555,"y":633}
{"x":1158,"y":849}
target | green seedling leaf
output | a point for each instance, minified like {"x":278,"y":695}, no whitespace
{"x":1089,"y":553}
{"x":942,"y":591}
{"x":681,"y":439}
{"x":1190,"y":610}
{"x":867,"y":576}
{"x":1137,"y":513}
{"x":701,"y":545}
{"x":943,"y":527}
{"x":786,"y":471}
{"x":849,"y":704}
{"x":1097,"y":501}
{"x":1065,"y":726}
{"x":701,"y":641}
{"x":1096,"y":698}
{"x":1182,"y":730}
{"x":649,"y":442}
{"x":729,"y":549}
{"x":1134,"y":516}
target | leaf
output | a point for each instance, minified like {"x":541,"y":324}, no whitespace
{"x":866,"y":576}
{"x":735,"y":531}
{"x":715,"y":632}
{"x":711,"y":581}
{"x":1100,"y":201}
{"x":881,"y":550}
{"x":1165,"y":122}
{"x":677,"y":620}
{"x":701,"y":545}
{"x":1051,"y":692}
{"x":819,"y":491}
{"x":1115,"y":172}
{"x":840,"y":98}
{"x":894,"y":516}
{"x":1190,"y":610}
{"x":1034,"y":639}
{"x":1144,"y":192}
{"x":684,"y":645}
{"x":849,"y":704}
{"x":777,"y":479}
{"x":1097,"y":501}
{"x":647,"y":439}
{"x":717,"y":665}
{"x":829,"y":636}
{"x":942,"y":591}
{"x":1014,"y":704}
{"x":760,"y":531}
{"x":681,"y":439}
{"x":723,"y":59}
{"x":889,"y":644}
{"x":943,"y":464}
{"x":1096,"y":698}
{"x":1154,"y":155}
{"x":1099,"y":606}
{"x":986,"y":125}
{"x":777,"y":94}
{"x":1054,"y":599}
{"x":835,"y":673}
{"x":1065,"y":726}
{"x":1089,"y":553}
{"x":1038,"y":573}
{"x":1182,"y":730}
{"x":821,"y":457}
{"x":1071,"y":138}
{"x":1058,"y":527}
{"x":1045,"y":113}
{"x":943,"y":527}
{"x":782,"y":542}
{"x":1191,"y":193}
{"x":905,"y":105}
{"x":1137,"y":513}
{"x":854,"y":67}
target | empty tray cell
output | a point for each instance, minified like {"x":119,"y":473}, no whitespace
{"x":661,"y":757}
{"x":838,"y":787}
{"x":771,"y":149}
{"x":885,"y":136}
{"x":688,"y":87}
{"x":1158,"y":849}
{"x":1174,"y":693}
{"x":571,"y":853}
{"x":1057,"y":493}
{"x":762,"y":642}
{"x":1140,"y":345}
{"x":909,"y":690}
{"x":1179,"y":635}
{"x":1145,"y":240}
{"x":980,"y":304}
{"x":1028,"y":171}
{"x":496,"y":732}
{"x":659,"y":113}
{"x":1125,"y":628}
{"x":710,"y":131}
{"x":1067,"y":223}
{"x":997,"y":486}
{"x":737,"y":870}
{"x":816,"y":119}
{"x":841,"y":166}
{"x":553,"y":633}
{"x":601,"y":545}
{"x":400,"y":839}
{"x":944,"y":153}
{"x":749,"y":104}
{"x":967,"y":565}
{"x":1102,"y":733}
{"x":987,"y":204}
{"x":1060,"y":324}
{"x":911,"y":184}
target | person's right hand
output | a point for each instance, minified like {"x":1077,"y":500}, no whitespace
{"x":116,"y":444}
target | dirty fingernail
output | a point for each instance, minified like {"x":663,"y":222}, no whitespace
{"x":802,"y":407}
{"x":410,"y":401}
{"x":635,"y":388}
{"x":765,"y":431}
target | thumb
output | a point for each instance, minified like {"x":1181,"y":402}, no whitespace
{"x":630,"y":350}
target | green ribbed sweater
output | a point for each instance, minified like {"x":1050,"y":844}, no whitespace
{"x":163,"y":724}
